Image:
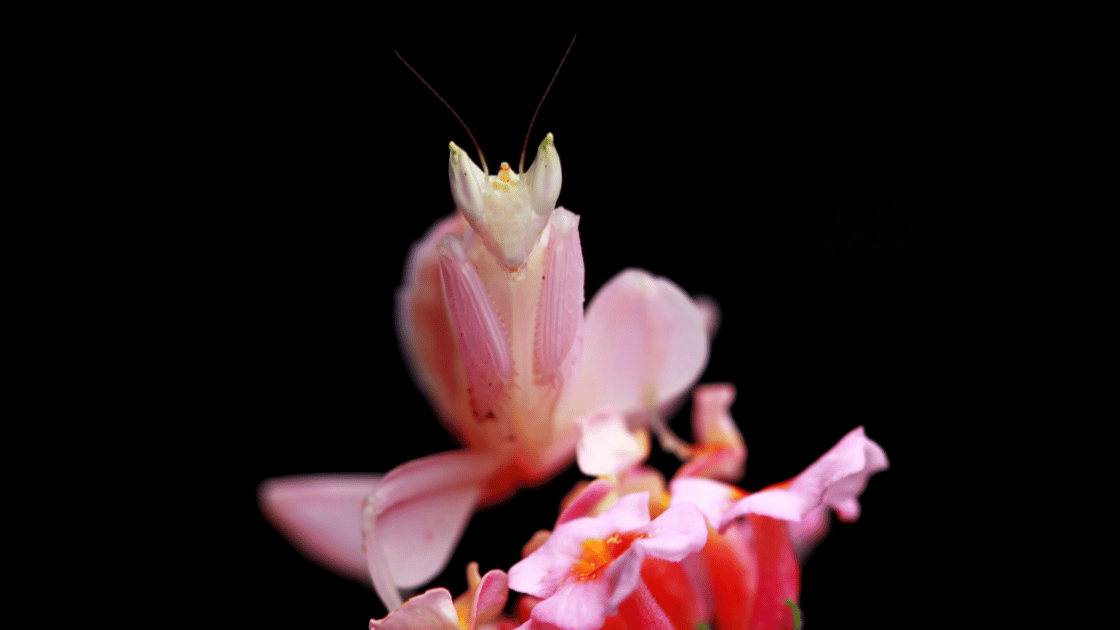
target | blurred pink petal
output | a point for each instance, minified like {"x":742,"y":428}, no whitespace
{"x":585,"y":501}
{"x":321,"y":516}
{"x":416,"y":515}
{"x":432,"y":610}
{"x":720,"y":452}
{"x":487,"y":597}
{"x":578,"y":606}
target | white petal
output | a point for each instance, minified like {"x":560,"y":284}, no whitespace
{"x":606,"y":447}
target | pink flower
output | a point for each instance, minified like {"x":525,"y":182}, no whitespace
{"x":590,"y":565}
{"x":435,"y":610}
{"x":748,"y":571}
{"x":752,"y":565}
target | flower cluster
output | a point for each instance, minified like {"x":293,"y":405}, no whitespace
{"x":492,"y":323}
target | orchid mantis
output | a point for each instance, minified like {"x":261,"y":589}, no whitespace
{"x":524,"y":427}
{"x":491,"y":319}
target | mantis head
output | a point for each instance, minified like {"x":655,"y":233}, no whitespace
{"x":508,"y":210}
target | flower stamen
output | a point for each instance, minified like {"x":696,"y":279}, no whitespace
{"x":599,"y":553}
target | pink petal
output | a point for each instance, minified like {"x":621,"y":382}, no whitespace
{"x":432,"y":610}
{"x":836,"y":480}
{"x":490,"y":599}
{"x":578,"y":606}
{"x":623,"y":576}
{"x":606,"y":446}
{"x":586,"y":501}
{"x":776,"y":503}
{"x":718,"y":463}
{"x":646,"y":479}
{"x":807,"y":533}
{"x":711,"y":419}
{"x":644,"y":345}
{"x":844,"y":471}
{"x":545,"y":569}
{"x":417,"y":514}
{"x":712,"y":498}
{"x":321,"y":515}
{"x":709,"y":309}
{"x":679,"y":532}
{"x":723,"y":454}
{"x":425,"y":333}
{"x":629,"y":514}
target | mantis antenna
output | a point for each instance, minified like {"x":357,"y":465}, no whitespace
{"x":525,"y":146}
{"x":481,"y":158}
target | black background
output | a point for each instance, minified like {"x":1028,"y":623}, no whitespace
{"x":809,"y":180}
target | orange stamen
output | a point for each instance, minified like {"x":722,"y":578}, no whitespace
{"x":597,"y":554}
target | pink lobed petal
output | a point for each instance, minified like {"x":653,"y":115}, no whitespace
{"x":577,"y":606}
{"x":542,"y":573}
{"x":722,"y":452}
{"x":416,"y":515}
{"x":646,"y":479}
{"x":586,"y":501}
{"x":779,"y":503}
{"x":836,"y":480}
{"x":712,"y":498}
{"x":490,"y":598}
{"x":431,"y":610}
{"x":844,"y":472}
{"x":576,"y":603}
{"x":679,"y":532}
{"x":712,"y":423}
{"x":321,"y":516}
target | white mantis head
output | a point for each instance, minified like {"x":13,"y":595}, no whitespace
{"x":508,"y":210}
